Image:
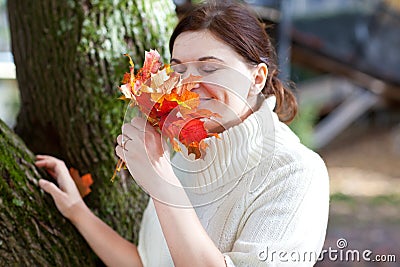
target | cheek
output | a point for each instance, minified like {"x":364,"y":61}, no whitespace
{"x":229,"y":111}
{"x":222,"y":100}
{"x":228,"y":84}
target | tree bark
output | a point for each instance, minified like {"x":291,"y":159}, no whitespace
{"x":31,"y":233}
{"x":69,"y":62}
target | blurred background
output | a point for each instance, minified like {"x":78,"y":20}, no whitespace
{"x":343,"y":56}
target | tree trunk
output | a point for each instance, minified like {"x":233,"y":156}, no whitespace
{"x":31,"y":232}
{"x":69,"y":61}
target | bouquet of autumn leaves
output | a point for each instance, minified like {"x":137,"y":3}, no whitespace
{"x":168,"y":103}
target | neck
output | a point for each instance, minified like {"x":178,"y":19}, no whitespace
{"x":227,"y":158}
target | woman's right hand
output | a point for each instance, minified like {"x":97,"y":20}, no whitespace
{"x":66,"y":196}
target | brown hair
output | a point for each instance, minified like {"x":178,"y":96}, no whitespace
{"x":235,"y":25}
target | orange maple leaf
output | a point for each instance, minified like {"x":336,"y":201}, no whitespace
{"x":186,"y":99}
{"x":126,"y":78}
{"x":83,"y":183}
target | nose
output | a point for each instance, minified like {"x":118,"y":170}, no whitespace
{"x":200,"y":91}
{"x":191,"y":69}
{"x":203,"y":92}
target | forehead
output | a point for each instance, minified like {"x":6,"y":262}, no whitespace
{"x":190,"y":46}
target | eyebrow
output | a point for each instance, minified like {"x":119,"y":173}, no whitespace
{"x":200,"y":59}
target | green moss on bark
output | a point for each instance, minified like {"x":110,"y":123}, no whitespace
{"x":32,"y":232}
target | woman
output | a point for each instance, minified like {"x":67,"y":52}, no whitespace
{"x":258,"y":198}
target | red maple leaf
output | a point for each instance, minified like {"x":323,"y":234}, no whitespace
{"x":192,"y":131}
{"x":167,"y":106}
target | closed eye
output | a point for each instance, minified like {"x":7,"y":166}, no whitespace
{"x":180,"y":68}
{"x":208,"y":68}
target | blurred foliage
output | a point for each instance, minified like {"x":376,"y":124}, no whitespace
{"x":300,"y":74}
{"x":308,"y":113}
{"x":340,"y":197}
{"x":196,"y":2}
{"x":304,"y":123}
{"x":390,"y":199}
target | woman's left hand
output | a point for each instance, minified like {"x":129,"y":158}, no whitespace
{"x":66,"y":195}
{"x":140,"y":146}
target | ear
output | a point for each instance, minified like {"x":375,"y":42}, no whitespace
{"x":260,"y":74}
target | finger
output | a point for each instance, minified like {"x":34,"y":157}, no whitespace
{"x":45,"y":163}
{"x":50,"y":188}
{"x":45,"y":157}
{"x":143,"y":126}
{"x":139,"y":123}
{"x":57,"y":170}
{"x":120,"y":153}
{"x":42,"y":156}
{"x":48,"y":166}
{"x":121,"y":139}
{"x":132,"y":145}
{"x":148,"y":128}
{"x":130,"y":131}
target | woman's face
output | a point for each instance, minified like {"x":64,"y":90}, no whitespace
{"x":229,"y":84}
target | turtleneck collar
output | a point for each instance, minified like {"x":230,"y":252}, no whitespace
{"x":237,"y":150}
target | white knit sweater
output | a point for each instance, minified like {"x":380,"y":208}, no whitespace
{"x":262,"y":197}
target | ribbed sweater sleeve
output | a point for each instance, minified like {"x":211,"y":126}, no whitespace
{"x":286,"y":222}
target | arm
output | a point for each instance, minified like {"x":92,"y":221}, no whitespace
{"x":189,"y":244}
{"x":105,"y":242}
{"x":112,"y":249}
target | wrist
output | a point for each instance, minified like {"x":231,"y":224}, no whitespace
{"x":78,"y":213}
